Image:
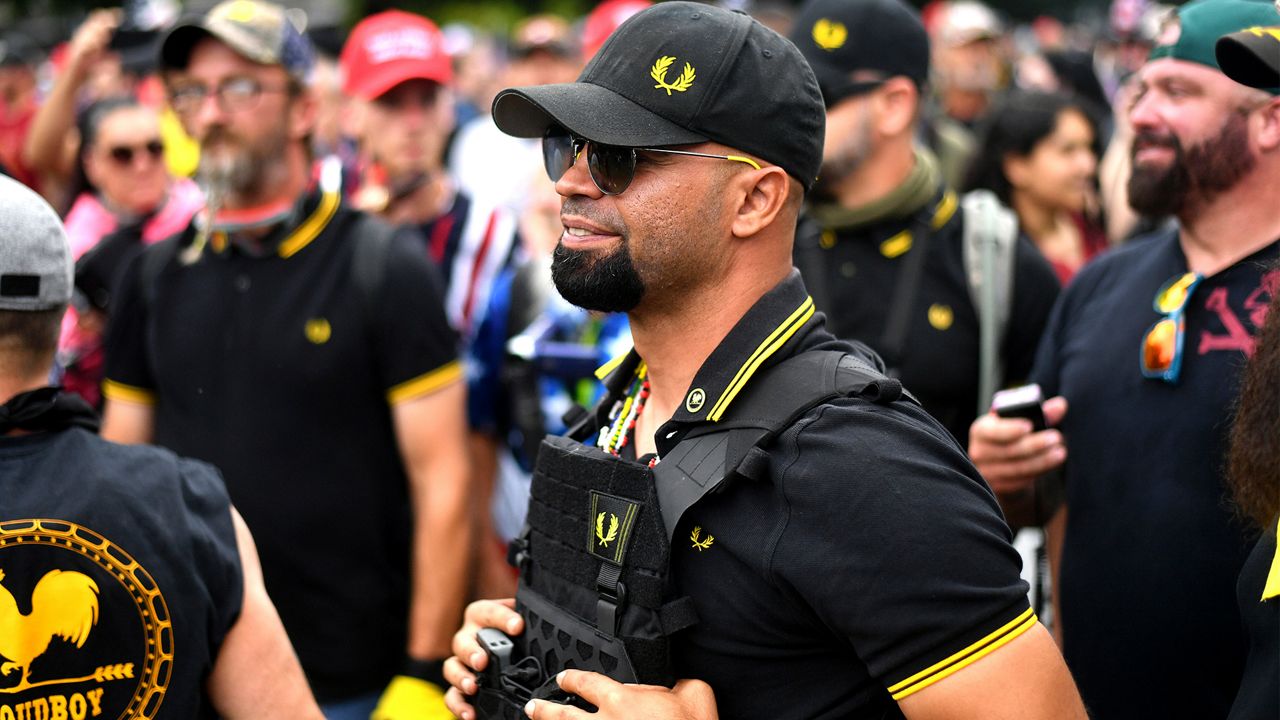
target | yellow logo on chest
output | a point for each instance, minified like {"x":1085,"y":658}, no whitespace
{"x":941,"y":316}
{"x":318,"y":331}
{"x":699,"y":543}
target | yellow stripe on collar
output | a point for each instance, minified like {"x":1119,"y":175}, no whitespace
{"x":1272,"y":588}
{"x":776,"y":339}
{"x":311,"y":227}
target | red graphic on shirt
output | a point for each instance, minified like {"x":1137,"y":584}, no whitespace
{"x":1237,"y":336}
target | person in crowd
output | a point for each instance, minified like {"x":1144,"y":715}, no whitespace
{"x":397,"y":77}
{"x":885,"y":252}
{"x":128,"y":583}
{"x":1141,"y":361}
{"x":685,"y":219}
{"x":496,"y":168}
{"x":18,"y":105}
{"x":1252,"y":57}
{"x":128,"y":201}
{"x":1038,"y":152}
{"x":52,"y":147}
{"x":302,"y":348}
{"x":968,"y":66}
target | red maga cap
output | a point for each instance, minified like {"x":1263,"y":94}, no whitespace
{"x":389,"y":48}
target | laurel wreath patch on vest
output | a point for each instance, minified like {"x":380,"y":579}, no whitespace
{"x":609,"y":526}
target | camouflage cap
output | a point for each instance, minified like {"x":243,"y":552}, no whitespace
{"x":260,"y":31}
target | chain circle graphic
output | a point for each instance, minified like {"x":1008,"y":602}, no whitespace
{"x":157,"y":667}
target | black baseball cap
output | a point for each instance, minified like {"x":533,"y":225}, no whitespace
{"x":680,"y":73}
{"x":842,"y":37}
{"x":1252,"y":57}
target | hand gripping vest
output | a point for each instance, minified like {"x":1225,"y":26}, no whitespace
{"x":595,"y":589}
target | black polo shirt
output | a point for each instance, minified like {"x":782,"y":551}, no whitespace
{"x":280,"y":370}
{"x":938,"y":358}
{"x":874,"y":562}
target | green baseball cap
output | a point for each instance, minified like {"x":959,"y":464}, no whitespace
{"x":1192,"y":33}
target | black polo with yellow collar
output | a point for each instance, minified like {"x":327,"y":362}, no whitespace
{"x":872,"y":564}
{"x":278,"y":369}
{"x":938,"y":357}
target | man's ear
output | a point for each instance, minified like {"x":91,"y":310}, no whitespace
{"x":896,"y":104}
{"x":1268,"y":137}
{"x":303,"y":112}
{"x":761,"y":195}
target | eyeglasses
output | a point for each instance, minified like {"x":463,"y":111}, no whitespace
{"x":233,"y":95}
{"x":1162,"y":345}
{"x":612,"y":167}
{"x":124,"y":154}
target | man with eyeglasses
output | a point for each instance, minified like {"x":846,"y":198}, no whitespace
{"x":753,"y":507}
{"x":885,"y":245}
{"x":1145,"y":348}
{"x":302,"y":347}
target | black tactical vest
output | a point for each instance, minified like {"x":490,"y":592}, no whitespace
{"x":595,"y":588}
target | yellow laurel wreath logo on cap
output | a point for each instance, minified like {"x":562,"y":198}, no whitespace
{"x":829,"y":34}
{"x":659,"y":73}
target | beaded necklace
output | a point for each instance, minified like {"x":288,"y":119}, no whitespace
{"x":624,"y":414}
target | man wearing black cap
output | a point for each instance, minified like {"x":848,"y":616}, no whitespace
{"x":888,"y":248}
{"x":753,"y":504}
{"x":1144,"y":350}
{"x":129,"y":586}
{"x":303,"y":349}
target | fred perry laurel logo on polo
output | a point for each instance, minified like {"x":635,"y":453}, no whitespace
{"x":700,"y":543}
{"x":609,"y":530}
{"x":829,"y":34}
{"x":84,"y":630}
{"x":659,"y":73}
{"x":697,"y":398}
{"x":941,"y":316}
{"x":318,"y":331}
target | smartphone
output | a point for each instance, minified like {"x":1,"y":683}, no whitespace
{"x":1021,"y":402}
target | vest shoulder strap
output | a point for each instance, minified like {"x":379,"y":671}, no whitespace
{"x":707,"y":458}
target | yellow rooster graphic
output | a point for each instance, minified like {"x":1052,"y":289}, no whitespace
{"x":64,"y":604}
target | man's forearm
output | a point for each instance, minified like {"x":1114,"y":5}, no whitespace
{"x":442,"y":544}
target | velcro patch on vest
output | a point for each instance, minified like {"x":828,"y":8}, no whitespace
{"x":609,"y":529}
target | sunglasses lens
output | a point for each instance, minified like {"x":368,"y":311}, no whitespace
{"x":611,"y":167}
{"x":557,"y":155}
{"x":155,"y":148}
{"x":1160,"y":346}
{"x":122,"y":155}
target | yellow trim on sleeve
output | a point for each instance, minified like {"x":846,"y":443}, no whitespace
{"x":311,"y":227}
{"x":425,"y":383}
{"x":776,"y":339}
{"x":1272,"y":588}
{"x":113,"y":390}
{"x":965,"y":657}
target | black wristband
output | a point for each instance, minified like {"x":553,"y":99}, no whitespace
{"x":430,"y":670}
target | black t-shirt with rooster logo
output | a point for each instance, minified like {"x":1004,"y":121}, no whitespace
{"x":119,"y":579}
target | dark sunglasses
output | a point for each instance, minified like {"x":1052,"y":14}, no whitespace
{"x":123,"y":154}
{"x":1162,"y":345}
{"x":612,"y":167}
